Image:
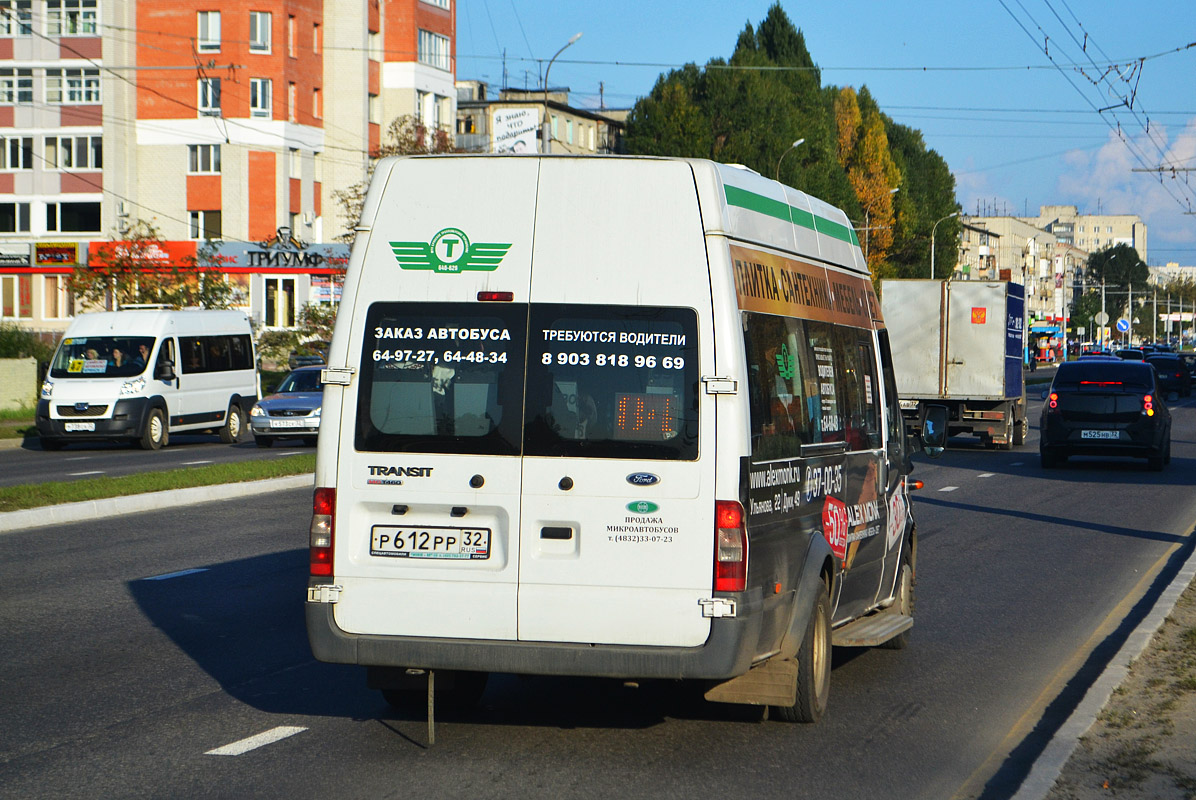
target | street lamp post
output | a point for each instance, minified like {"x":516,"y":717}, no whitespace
{"x":782,"y":158}
{"x":932,"y":230}
{"x":867,"y":227}
{"x":545,"y":133}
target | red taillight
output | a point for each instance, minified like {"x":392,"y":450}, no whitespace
{"x":730,"y":547}
{"x":1148,"y":405}
{"x":496,"y":297}
{"x":1053,"y":401}
{"x":323,"y":509}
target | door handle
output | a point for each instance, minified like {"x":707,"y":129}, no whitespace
{"x":556,"y":533}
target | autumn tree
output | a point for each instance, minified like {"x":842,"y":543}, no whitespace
{"x":405,"y":136}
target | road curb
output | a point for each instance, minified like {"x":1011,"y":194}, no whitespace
{"x":1058,"y":752}
{"x":66,"y":513}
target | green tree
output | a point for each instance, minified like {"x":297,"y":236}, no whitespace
{"x":126,"y":270}
{"x":405,"y":136}
{"x":1119,"y":267}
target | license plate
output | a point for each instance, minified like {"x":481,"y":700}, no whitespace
{"x":908,"y":405}
{"x":469,"y":544}
{"x":288,"y":423}
{"x":73,"y":427}
{"x":1100,"y":434}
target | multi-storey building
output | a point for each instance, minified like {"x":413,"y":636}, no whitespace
{"x":1091,"y":232}
{"x":223,"y":120}
{"x":516,"y":120}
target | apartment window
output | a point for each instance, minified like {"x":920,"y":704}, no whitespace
{"x":315,"y":38}
{"x":569,"y":131}
{"x":208,"y":40}
{"x":317,"y":104}
{"x":259,"y":31}
{"x":74,"y":152}
{"x":16,"y":86}
{"x":294,"y":166}
{"x":292,"y":102}
{"x":438,"y":3}
{"x":374,"y":107}
{"x":554,"y":126}
{"x":205,"y":225}
{"x":433,"y":50}
{"x":73,"y":217}
{"x":16,"y":152}
{"x":14,"y":217}
{"x":15,"y":17}
{"x":71,"y":17}
{"x":259,"y":97}
{"x":1108,"y":229}
{"x":291,"y":35}
{"x":72,"y":86}
{"x":57,"y":299}
{"x":16,"y":296}
{"x":203,"y":159}
{"x":374,"y":45}
{"x":209,"y":97}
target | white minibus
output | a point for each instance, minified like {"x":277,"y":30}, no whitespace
{"x":626,"y":417}
{"x":141,"y":374}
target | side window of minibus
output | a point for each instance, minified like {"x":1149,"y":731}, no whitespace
{"x":779,"y":373}
{"x":895,"y":425}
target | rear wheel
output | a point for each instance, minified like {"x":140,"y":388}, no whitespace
{"x":1021,"y":429}
{"x":155,"y":434}
{"x":311,"y":441}
{"x":904,"y":602}
{"x":234,"y":425}
{"x":1155,"y":462}
{"x":1167,"y":451}
{"x":1049,"y":461}
{"x":813,"y":666}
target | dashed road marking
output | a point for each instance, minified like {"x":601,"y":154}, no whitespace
{"x":986,"y":474}
{"x":253,"y":742}
{"x":81,"y":474}
{"x":1018,"y":464}
{"x":192,"y":463}
{"x":178,"y":574}
{"x":948,"y":488}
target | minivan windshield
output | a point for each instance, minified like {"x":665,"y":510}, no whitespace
{"x":102,"y":357}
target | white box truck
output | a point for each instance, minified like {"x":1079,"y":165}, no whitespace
{"x":959,"y":344}
{"x":659,"y":439}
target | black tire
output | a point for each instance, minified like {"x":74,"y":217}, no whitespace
{"x":49,"y":443}
{"x":1155,"y":462}
{"x":1167,"y":451}
{"x":1049,"y":461}
{"x":904,"y":602}
{"x":311,"y":441}
{"x":468,"y":688}
{"x":155,"y":434}
{"x":1021,"y":428}
{"x":234,"y":425}
{"x":813,"y":665}
{"x":263,"y":441}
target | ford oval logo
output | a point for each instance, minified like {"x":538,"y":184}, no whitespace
{"x":643,"y":479}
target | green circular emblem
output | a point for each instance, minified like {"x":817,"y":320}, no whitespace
{"x":450,"y":245}
{"x":642,"y":507}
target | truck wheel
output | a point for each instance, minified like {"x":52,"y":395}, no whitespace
{"x":234,"y":425}
{"x":813,"y":666}
{"x":1020,"y":431}
{"x":904,"y":602}
{"x":155,"y":434}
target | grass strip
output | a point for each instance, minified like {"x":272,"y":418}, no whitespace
{"x":35,"y":495}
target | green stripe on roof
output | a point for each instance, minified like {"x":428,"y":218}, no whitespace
{"x":783,"y":211}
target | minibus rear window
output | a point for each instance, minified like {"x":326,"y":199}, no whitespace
{"x":612,"y":382}
{"x":442,"y":378}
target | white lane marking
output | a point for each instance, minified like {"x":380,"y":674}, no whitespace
{"x":1018,"y":464}
{"x":292,"y":453}
{"x":178,"y":574}
{"x":948,"y":489}
{"x":986,"y":474}
{"x":77,"y":458}
{"x":93,"y":472}
{"x":189,"y":463}
{"x":253,"y":742}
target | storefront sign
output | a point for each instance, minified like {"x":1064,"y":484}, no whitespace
{"x":283,"y":253}
{"x":14,"y":254}
{"x":55,"y":254}
{"x":161,"y":254}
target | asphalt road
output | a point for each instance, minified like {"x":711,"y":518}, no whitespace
{"x":30,"y":464}
{"x":119,"y":675}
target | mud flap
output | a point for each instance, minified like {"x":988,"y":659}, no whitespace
{"x":772,"y":683}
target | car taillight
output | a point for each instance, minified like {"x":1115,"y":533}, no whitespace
{"x":1053,"y":400}
{"x":730,"y":547}
{"x":323,"y":509}
{"x":1148,"y":405}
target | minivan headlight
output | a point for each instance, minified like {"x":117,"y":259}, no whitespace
{"x":133,"y":387}
{"x":47,"y":389}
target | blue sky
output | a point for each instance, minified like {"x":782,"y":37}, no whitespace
{"x":1019,"y":127}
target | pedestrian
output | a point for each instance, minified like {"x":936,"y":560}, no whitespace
{"x":1033,"y":359}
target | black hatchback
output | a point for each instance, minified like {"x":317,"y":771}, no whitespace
{"x":1105,"y":408}
{"x":1173,"y":373}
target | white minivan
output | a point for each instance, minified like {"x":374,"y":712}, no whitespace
{"x":607,"y":416}
{"x":140,"y":374}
